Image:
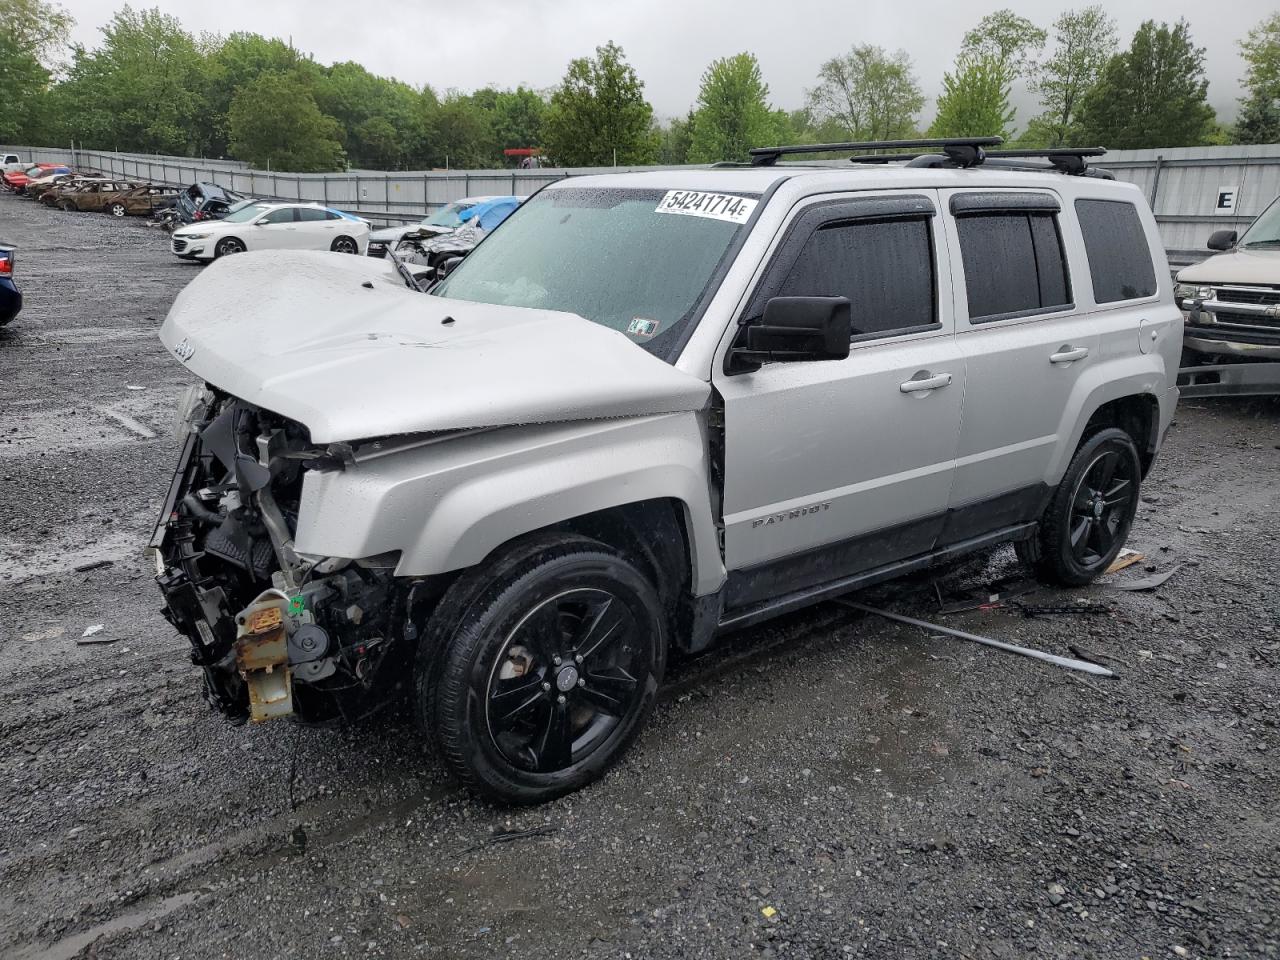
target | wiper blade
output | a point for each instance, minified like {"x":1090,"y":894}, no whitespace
{"x":410,"y":280}
{"x":1264,"y":243}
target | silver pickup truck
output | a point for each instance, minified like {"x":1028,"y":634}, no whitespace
{"x":648,"y":409}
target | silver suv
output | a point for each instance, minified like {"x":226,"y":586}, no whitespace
{"x":648,"y":409}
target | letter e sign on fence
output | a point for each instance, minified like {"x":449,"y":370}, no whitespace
{"x":1225,"y":203}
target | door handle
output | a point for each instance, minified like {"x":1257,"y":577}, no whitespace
{"x":933,"y":382}
{"x":1069,"y":355}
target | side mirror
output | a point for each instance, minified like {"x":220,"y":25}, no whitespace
{"x":1222,"y":240}
{"x":260,"y":223}
{"x":448,"y":266}
{"x":794,"y":329}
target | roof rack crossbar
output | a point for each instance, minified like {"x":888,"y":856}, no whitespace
{"x":1069,"y":160}
{"x":967,"y":147}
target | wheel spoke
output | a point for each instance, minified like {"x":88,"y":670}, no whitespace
{"x":603,"y":699}
{"x":1083,"y":496}
{"x":554,"y":749}
{"x":542,"y":634}
{"x":1078,"y":531}
{"x":1106,"y":468}
{"x":506,"y":706}
{"x":1117,"y":493}
{"x":608,"y":622}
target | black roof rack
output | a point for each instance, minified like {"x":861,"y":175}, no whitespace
{"x":963,"y":151}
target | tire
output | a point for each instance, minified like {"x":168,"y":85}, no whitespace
{"x":68,"y":206}
{"x":539,"y":668}
{"x":227,"y":246}
{"x":117,"y":210}
{"x":344,"y":244}
{"x":1091,"y":512}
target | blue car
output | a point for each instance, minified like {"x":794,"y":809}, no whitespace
{"x":10,"y":296}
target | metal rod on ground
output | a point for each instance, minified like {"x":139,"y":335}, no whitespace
{"x":1068,"y":662}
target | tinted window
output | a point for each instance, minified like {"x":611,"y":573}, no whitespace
{"x":1119,"y":258}
{"x":884,"y":267}
{"x":280,"y":216}
{"x":330,"y":215}
{"x":307,"y":214}
{"x":1013,"y":264}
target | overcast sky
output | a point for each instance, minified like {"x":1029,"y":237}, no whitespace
{"x":504,"y":43}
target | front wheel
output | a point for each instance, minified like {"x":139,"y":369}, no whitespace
{"x":228,"y":246}
{"x":539,"y":668}
{"x":117,"y":210}
{"x":1089,"y":516}
{"x":67,"y":205}
{"x":344,"y":245}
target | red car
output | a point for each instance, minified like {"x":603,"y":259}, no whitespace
{"x":17,"y":179}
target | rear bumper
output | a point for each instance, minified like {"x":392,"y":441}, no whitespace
{"x":10,"y":301}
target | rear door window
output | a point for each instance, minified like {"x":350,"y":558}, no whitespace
{"x":285,"y":215}
{"x":306,"y":214}
{"x":1014,"y":264}
{"x":1119,"y":257}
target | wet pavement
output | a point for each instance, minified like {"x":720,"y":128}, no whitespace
{"x":828,"y":785}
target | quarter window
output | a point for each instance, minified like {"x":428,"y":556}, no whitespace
{"x":1119,"y":257}
{"x":884,"y":267}
{"x":1013,"y":264}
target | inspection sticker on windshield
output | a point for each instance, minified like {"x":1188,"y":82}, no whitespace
{"x":642,"y":327}
{"x":714,"y":206}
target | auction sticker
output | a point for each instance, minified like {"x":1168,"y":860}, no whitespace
{"x":713,"y":206}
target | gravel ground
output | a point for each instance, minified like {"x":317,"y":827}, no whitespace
{"x":829,"y":785}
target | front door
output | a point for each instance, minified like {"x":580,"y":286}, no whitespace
{"x":836,"y":467}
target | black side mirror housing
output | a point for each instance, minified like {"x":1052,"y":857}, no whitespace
{"x":1222,"y":240}
{"x":794,"y":329}
{"x":448,"y":266}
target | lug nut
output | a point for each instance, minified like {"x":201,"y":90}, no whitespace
{"x":546,"y":686}
{"x":581,"y":682}
{"x":578,"y":658}
{"x":556,"y":660}
{"x":560,"y":699}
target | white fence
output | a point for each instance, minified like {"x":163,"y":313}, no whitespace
{"x":1193,"y":190}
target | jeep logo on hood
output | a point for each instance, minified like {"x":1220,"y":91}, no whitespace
{"x":183,"y":350}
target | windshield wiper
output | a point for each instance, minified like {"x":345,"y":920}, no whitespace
{"x":410,"y":280}
{"x":1264,"y":243}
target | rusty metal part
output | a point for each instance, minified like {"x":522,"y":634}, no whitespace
{"x":262,"y":657}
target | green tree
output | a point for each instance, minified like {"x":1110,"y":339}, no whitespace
{"x":1259,"y":120}
{"x":975,"y":99}
{"x":235,"y":61}
{"x":517,"y":117}
{"x":674,"y":141}
{"x":274,"y":122}
{"x":1151,"y":95}
{"x":1013,"y":40}
{"x":867,"y":94}
{"x":23,"y":81}
{"x":462,"y":133}
{"x":599,"y":114}
{"x":38,"y":28}
{"x":733,"y":113}
{"x":1083,"y":42}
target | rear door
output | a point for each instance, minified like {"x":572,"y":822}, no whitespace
{"x":315,"y":230}
{"x":1026,"y":343}
{"x":836,"y":467}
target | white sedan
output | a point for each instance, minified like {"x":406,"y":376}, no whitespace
{"x":272,"y":226}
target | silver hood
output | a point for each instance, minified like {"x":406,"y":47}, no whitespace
{"x":299,"y":333}
{"x":1259,"y":267}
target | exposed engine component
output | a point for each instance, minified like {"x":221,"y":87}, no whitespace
{"x":275,"y":633}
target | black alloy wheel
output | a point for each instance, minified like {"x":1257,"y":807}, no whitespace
{"x":345,"y":244}
{"x":1089,"y":516}
{"x":566,"y":676}
{"x":228,"y":246}
{"x":1100,"y":506}
{"x":539,"y":667}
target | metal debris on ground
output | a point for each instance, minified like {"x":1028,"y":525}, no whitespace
{"x":1126,"y":558}
{"x":992,"y":596}
{"x":1068,"y":662}
{"x":1082,"y":608}
{"x":507,"y":836}
{"x":94,"y":634}
{"x":91,"y":630}
{"x":92,"y":565}
{"x":1151,"y":582}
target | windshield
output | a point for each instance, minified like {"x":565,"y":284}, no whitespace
{"x":636,"y":261}
{"x":448,"y":216}
{"x":1265,"y":231}
{"x":250,"y":211}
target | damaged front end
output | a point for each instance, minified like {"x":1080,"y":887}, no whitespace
{"x":275,"y":632}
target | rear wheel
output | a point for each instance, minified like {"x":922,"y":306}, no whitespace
{"x":117,"y":210}
{"x":344,"y":244}
{"x":1092,"y":510}
{"x":67,"y":205}
{"x":539,"y":669}
{"x":227,"y":246}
